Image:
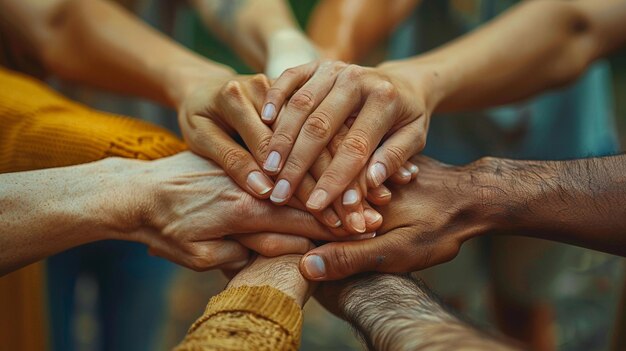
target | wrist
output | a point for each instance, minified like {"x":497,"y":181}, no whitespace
{"x":180,"y":79}
{"x":425,"y":78}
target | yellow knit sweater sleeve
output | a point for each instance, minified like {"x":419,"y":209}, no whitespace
{"x":246,"y":318}
{"x":40,"y":129}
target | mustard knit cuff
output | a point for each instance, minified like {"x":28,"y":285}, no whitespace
{"x":264,"y":301}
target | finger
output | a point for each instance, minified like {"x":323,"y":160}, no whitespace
{"x":301,"y":133}
{"x":203,"y":255}
{"x":379,"y":196}
{"x":353,"y":152}
{"x":285,"y":220}
{"x":274,"y":244}
{"x":283,"y":87}
{"x":211,"y":141}
{"x":392,"y":155}
{"x":402,"y":176}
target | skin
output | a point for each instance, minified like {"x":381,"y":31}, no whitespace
{"x":389,"y":312}
{"x":578,"y":202}
{"x":392,"y":312}
{"x":98,"y":43}
{"x":183,"y":207}
{"x":395,"y":100}
{"x":347,"y":30}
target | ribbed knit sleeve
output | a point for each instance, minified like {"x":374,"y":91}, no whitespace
{"x":246,"y":319}
{"x":40,"y":129}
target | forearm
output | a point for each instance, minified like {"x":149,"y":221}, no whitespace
{"x":254,"y":28}
{"x":48,"y":211}
{"x":581,"y":202}
{"x":346,"y":30}
{"x":396,"y":313}
{"x":98,"y":43}
{"x":535,"y":46}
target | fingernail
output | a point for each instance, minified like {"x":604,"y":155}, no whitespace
{"x":383,"y":193}
{"x":316,"y":200}
{"x":259,"y":183}
{"x":350,"y":197}
{"x":371,"y":216}
{"x":365,"y":236}
{"x":272,"y":162}
{"x":357,"y":221}
{"x":314,"y":266}
{"x":281,"y":191}
{"x":378,"y":173}
{"x":238,"y":264}
{"x":268,"y":112}
{"x":413,"y":169}
{"x":331,"y":218}
{"x":404,"y":173}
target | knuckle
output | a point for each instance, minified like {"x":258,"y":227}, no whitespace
{"x":332,"y":176}
{"x":290,"y":72}
{"x":263,"y":145}
{"x":260,"y":80}
{"x":317,"y":126}
{"x":357,"y":145}
{"x":395,"y":156}
{"x":353,"y":72}
{"x":386,"y":91}
{"x":282,"y":138}
{"x":268,"y":246}
{"x":234,"y":159}
{"x":275,"y":94}
{"x":232,"y":89}
{"x":302,"y":100}
{"x":294,"y":166}
{"x":343,"y":262}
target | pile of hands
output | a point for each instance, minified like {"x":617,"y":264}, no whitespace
{"x":316,"y":154}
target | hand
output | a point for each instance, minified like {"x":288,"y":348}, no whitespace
{"x":425,"y":224}
{"x":325,"y":96}
{"x":215,"y":112}
{"x":189,"y":211}
{"x":279,"y":272}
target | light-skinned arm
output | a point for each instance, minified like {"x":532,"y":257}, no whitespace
{"x":263,"y":32}
{"x":347,"y":30}
{"x":534,"y":46}
{"x":183,"y":207}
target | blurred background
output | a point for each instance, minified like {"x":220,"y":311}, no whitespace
{"x":573,"y":293}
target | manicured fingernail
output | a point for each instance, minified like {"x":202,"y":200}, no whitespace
{"x":350,"y":197}
{"x":281,"y":191}
{"x":357,"y":221}
{"x":413,"y":169}
{"x":268,"y":112}
{"x":331,"y":218}
{"x":316,"y":200}
{"x":272,"y":162}
{"x":259,"y":182}
{"x":404,"y":173}
{"x":371,"y":216}
{"x":378,"y":173}
{"x":314,"y":266}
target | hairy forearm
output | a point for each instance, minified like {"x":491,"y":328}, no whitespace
{"x":535,"y":46}
{"x":251,"y":27}
{"x":581,"y":202}
{"x":346,"y":30}
{"x":99,"y":43}
{"x":398,"y":313}
{"x":48,"y":211}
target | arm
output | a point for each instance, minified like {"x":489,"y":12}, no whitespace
{"x":99,"y":43}
{"x":580,"y":202}
{"x":535,"y":46}
{"x":261,"y":308}
{"x":263,"y":32}
{"x":398,"y":313}
{"x":346,"y":30}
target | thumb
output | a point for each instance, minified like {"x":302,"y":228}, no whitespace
{"x":338,"y":260}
